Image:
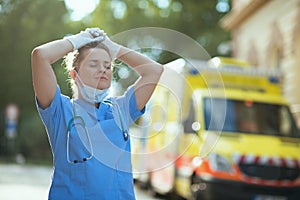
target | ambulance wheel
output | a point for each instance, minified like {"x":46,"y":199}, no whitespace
{"x":195,"y":188}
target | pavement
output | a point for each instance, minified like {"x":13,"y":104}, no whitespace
{"x":24,"y":182}
{"x":29,"y":182}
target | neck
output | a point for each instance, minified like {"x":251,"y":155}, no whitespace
{"x":97,"y":105}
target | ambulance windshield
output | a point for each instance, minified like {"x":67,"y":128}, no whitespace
{"x":249,"y":117}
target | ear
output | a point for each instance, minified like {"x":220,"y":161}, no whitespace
{"x":73,"y":74}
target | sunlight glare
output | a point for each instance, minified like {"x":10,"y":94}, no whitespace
{"x":80,"y":8}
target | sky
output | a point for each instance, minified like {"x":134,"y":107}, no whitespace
{"x":80,"y":8}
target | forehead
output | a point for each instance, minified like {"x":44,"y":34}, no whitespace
{"x":97,"y":54}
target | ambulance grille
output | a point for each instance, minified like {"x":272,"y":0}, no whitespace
{"x":268,"y":172}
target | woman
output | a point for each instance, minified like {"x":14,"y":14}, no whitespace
{"x":89,"y":133}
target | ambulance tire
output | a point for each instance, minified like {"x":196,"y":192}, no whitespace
{"x":173,"y":196}
{"x":151,"y":192}
{"x":142,"y":185}
{"x":195,"y":188}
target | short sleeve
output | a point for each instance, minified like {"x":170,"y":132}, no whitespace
{"x":51,"y":115}
{"x":53,"y":106}
{"x":128,"y":105}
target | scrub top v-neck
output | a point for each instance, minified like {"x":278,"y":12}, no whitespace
{"x":107,"y":173}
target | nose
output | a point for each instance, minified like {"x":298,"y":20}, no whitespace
{"x":101,"y":68}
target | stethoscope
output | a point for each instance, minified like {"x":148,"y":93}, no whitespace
{"x":122,"y":123}
{"x":77,"y":120}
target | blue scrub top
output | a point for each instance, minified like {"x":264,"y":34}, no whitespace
{"x":108,"y":174}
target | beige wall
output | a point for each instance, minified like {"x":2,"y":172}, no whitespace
{"x":240,"y":4}
{"x":270,"y":38}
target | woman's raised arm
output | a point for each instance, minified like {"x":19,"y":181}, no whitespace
{"x":149,"y":70}
{"x":44,"y":80}
{"x":42,"y":58}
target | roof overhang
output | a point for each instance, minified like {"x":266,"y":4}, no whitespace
{"x":236,"y":16}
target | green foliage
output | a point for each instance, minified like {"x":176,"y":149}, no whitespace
{"x":25,"y":24}
{"x":197,"y":19}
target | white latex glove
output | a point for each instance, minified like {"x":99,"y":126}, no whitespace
{"x":113,"y":47}
{"x":95,"y":32}
{"x":86,"y":37}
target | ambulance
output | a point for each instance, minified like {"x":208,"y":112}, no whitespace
{"x":218,"y":129}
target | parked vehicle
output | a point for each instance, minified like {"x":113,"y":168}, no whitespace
{"x":219,"y":130}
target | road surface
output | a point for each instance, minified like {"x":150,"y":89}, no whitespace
{"x":32,"y":183}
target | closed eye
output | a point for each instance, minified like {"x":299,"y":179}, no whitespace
{"x":93,"y":65}
{"x":107,"y":66}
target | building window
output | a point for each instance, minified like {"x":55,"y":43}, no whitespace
{"x":275,"y":57}
{"x":275,"y":48}
{"x":252,"y":54}
{"x":295,"y":107}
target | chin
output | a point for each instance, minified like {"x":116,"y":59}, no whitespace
{"x":103,"y":87}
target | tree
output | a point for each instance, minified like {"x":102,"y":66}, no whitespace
{"x":197,"y":19}
{"x":23,"y":25}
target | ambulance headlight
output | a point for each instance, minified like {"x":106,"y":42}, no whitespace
{"x":219,"y":163}
{"x":197,"y":161}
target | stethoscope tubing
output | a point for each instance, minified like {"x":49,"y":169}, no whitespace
{"x":82,"y":123}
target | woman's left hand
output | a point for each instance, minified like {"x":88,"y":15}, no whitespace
{"x":113,"y":47}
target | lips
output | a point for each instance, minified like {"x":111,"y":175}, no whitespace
{"x":103,"y":78}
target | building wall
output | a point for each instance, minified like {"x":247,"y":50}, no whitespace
{"x":270,"y":38}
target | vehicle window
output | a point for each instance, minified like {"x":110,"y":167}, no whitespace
{"x":285,"y":126}
{"x":250,"y":117}
{"x":216,"y":116}
{"x":188,"y":123}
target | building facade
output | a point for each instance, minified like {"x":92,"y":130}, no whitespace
{"x":266,"y":33}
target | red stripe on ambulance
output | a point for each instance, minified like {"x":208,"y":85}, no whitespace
{"x":266,"y":160}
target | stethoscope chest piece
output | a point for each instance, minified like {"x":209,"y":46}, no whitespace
{"x":125,"y":134}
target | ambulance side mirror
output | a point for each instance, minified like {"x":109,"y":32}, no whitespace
{"x":196,"y":126}
{"x":190,"y":124}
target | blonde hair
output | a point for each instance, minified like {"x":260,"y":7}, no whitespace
{"x":73,"y":59}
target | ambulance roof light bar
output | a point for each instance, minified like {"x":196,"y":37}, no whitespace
{"x":196,"y":66}
{"x":232,"y":75}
